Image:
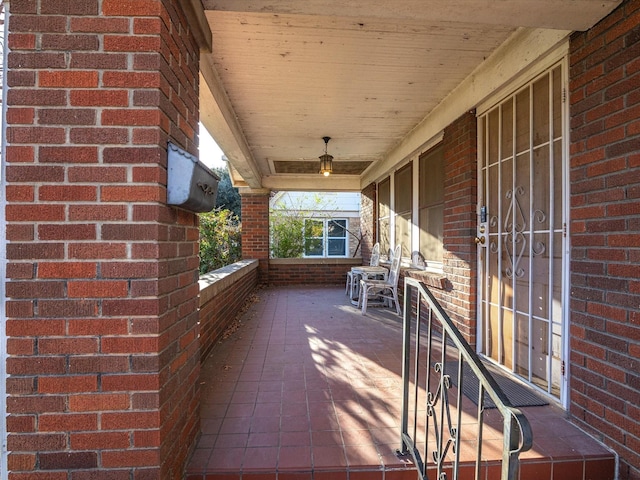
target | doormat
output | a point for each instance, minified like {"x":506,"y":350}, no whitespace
{"x":518,"y":394}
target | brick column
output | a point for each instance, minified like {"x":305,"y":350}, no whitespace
{"x":605,"y":233}
{"x":255,"y":229}
{"x":102,"y":274}
{"x":460,"y":221}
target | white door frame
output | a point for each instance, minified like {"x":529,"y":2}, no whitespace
{"x":559,"y":55}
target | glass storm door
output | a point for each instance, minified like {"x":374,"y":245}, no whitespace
{"x":521,"y":233}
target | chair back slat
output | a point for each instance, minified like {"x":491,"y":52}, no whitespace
{"x":375,"y":255}
{"x":394,"y":271}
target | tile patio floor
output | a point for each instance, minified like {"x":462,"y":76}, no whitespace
{"x":309,"y":389}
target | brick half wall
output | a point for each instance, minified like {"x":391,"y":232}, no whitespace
{"x":310,"y":271}
{"x":222,"y":295}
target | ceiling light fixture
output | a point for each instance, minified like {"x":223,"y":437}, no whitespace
{"x":326,"y":160}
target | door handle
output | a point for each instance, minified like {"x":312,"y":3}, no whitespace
{"x":480,"y":240}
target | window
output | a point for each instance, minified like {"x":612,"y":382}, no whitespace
{"x":325,"y":237}
{"x":336,"y":238}
{"x":431,"y":205}
{"x":313,"y":238}
{"x":384,"y":215}
{"x":403,"y":192}
{"x":428,"y":226}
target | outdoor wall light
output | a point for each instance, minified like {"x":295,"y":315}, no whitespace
{"x":326,"y":160}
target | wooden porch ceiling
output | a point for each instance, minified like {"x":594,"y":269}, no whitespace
{"x":283,"y":74}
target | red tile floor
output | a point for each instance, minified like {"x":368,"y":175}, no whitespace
{"x":309,"y":389}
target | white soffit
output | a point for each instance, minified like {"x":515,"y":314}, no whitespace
{"x":380,"y":78}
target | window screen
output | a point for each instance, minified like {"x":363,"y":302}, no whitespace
{"x":403,"y":192}
{"x":384,"y":212}
{"x":431,"y":204}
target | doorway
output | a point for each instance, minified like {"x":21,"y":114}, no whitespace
{"x":522,"y":240}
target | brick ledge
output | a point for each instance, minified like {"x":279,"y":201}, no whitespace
{"x":430,"y":279}
{"x":218,"y":280}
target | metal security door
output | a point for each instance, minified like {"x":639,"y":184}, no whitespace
{"x":522,"y":233}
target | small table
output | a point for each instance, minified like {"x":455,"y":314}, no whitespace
{"x":366,"y":272}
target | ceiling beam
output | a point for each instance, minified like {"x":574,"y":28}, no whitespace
{"x":218,"y":117}
{"x":554,"y":14}
{"x":312,"y":183}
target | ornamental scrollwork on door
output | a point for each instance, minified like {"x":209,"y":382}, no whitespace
{"x":514,"y":235}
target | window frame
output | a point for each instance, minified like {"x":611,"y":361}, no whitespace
{"x":326,"y":237}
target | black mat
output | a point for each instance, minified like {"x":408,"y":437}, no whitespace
{"x":518,"y":394}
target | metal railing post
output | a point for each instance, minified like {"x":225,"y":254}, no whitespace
{"x":447,"y":428}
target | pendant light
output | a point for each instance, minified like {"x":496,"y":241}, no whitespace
{"x":326,"y":160}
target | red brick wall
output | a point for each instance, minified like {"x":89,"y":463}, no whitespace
{"x":101,"y":275}
{"x":255,"y":230}
{"x":605,"y":233}
{"x":460,"y":222}
{"x":307,"y":271}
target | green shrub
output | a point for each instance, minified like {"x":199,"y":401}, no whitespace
{"x":220,"y":239}
{"x":287,"y":239}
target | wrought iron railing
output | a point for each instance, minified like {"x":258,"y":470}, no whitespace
{"x":429,"y":359}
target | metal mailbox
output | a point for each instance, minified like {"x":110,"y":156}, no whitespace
{"x":190,"y":183}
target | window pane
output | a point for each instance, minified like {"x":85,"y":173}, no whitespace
{"x":403,"y":234}
{"x":337,"y":247}
{"x":384,"y":211}
{"x":313,"y":228}
{"x":432,"y":233}
{"x":431,"y":217}
{"x":432,"y":177}
{"x":313,"y":247}
{"x":384,"y":198}
{"x":402,"y":192}
{"x":313,"y":237}
{"x":384,"y":237}
{"x":336,"y":228}
{"x":403,"y":207}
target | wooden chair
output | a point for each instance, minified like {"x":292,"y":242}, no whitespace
{"x":387,"y":289}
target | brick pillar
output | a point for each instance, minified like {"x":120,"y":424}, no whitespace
{"x":460,"y":221}
{"x":102,"y":274}
{"x":368,"y":220}
{"x":255,"y":229}
{"x":605,"y":233}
